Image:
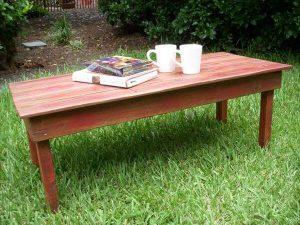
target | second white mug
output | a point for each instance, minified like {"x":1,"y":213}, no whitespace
{"x":190,"y":55}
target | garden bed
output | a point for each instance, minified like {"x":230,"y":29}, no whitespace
{"x":88,"y":25}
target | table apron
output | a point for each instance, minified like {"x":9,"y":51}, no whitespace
{"x":57,"y":124}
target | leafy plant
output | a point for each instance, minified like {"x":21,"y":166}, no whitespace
{"x":264,"y":24}
{"x":36,"y":11}
{"x":61,"y":31}
{"x":12,"y":15}
{"x":76,"y":44}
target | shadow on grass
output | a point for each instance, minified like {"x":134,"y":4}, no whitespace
{"x":159,"y":139}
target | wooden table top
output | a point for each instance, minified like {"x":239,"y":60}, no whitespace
{"x":59,"y":93}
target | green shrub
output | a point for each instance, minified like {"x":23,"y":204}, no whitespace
{"x":12,"y":15}
{"x":61,"y":31}
{"x":36,"y":11}
{"x":265,"y":24}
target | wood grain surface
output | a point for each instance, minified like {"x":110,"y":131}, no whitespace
{"x":60,"y":93}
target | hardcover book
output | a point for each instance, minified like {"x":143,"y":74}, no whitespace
{"x":120,"y":66}
{"x":87,"y":76}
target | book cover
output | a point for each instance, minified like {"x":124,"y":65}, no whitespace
{"x":119,"y":65}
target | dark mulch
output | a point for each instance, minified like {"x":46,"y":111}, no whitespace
{"x":88,"y":25}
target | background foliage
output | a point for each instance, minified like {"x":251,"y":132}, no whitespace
{"x":36,"y":11}
{"x":61,"y":31}
{"x":263,"y":24}
{"x":12,"y":14}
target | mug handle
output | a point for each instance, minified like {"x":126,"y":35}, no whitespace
{"x":176,"y":62}
{"x":149,"y":56}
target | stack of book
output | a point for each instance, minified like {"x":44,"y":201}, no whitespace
{"x":119,"y":71}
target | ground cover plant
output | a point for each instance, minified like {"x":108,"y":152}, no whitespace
{"x":76,"y":44}
{"x":178,"y":168}
{"x":61,"y":31}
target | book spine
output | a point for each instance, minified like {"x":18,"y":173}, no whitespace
{"x":138,"y":70}
{"x":107,"y":77}
{"x":133,"y":67}
{"x":109,"y":70}
{"x":99,"y":67}
{"x":121,"y":72}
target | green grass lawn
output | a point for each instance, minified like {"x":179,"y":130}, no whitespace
{"x":178,"y":168}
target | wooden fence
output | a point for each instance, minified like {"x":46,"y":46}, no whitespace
{"x":53,"y":5}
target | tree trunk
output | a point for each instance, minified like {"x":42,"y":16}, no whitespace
{"x":7,"y":55}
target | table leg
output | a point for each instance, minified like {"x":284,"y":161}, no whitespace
{"x":47,"y":173}
{"x":33,"y":152}
{"x":265,"y":118}
{"x":222,"y":111}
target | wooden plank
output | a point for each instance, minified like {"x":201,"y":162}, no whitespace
{"x":44,"y":82}
{"x":265,"y":118}
{"x":68,"y":122}
{"x":59,"y":92}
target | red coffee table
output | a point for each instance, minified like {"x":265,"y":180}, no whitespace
{"x":55,"y":106}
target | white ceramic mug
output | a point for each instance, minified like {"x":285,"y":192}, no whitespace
{"x":190,"y":58}
{"x":165,"y":56}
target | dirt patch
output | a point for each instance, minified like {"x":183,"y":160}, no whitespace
{"x":98,"y":37}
